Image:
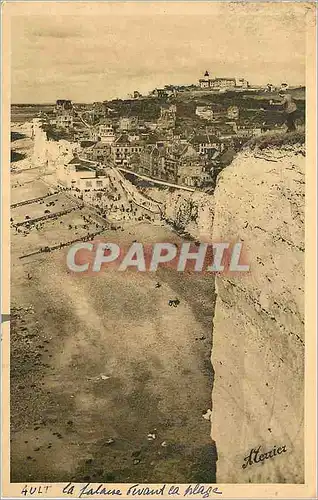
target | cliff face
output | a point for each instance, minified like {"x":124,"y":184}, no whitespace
{"x":192,"y":212}
{"x":258,"y":334}
{"x":54,"y":154}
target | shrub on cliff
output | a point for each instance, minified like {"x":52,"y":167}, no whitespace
{"x":54,"y":134}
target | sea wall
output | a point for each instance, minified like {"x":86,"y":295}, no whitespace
{"x":258,"y":331}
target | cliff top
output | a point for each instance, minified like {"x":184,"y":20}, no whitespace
{"x":271,"y":140}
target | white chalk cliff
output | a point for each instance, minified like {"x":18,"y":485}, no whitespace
{"x":258,"y":332}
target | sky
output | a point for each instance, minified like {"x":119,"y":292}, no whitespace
{"x":104,"y":53}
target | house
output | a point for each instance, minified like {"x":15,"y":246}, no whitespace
{"x":167,"y":117}
{"x":221,"y":83}
{"x":217,"y":112}
{"x":93,"y":183}
{"x":159,"y":161}
{"x":183,"y":164}
{"x":122,"y":149}
{"x":151,"y":125}
{"x":226,"y":131}
{"x":63,"y":105}
{"x":64,"y":114}
{"x":169,"y":167}
{"x":64,"y":121}
{"x":206,"y":143}
{"x":204,"y":112}
{"x":74,"y":170}
{"x":176,"y":163}
{"x":241,"y":83}
{"x":83,"y":135}
{"x":94,"y":134}
{"x":133,"y":137}
{"x":174,"y":155}
{"x":192,"y":169}
{"x":148,"y":161}
{"x":159,"y":93}
{"x":193,"y":174}
{"x":106,"y":132}
{"x":80,"y":174}
{"x":100,"y":151}
{"x":128,"y":123}
{"x":246,"y":131}
{"x":233,"y":112}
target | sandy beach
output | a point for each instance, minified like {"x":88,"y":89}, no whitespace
{"x":108,"y":383}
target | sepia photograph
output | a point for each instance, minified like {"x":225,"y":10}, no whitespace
{"x":158,"y":162}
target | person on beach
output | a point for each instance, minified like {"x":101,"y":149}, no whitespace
{"x":289,"y":107}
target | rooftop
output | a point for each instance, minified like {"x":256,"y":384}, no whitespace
{"x":225,"y":78}
{"x":122,"y":139}
{"x":83,"y":168}
{"x":204,"y":139}
{"x":101,"y":145}
{"x":81,"y":164}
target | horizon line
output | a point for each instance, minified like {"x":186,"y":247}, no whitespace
{"x":120,"y":98}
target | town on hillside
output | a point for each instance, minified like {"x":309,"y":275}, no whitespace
{"x":178,"y":135}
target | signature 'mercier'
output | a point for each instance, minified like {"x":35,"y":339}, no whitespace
{"x":256,"y":457}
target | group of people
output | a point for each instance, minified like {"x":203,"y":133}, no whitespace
{"x":87,"y":237}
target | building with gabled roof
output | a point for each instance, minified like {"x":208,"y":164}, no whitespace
{"x":106,"y":132}
{"x":203,"y":143}
{"x":80,"y":174}
{"x":63,"y":105}
{"x":100,"y":151}
{"x":123,"y":148}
